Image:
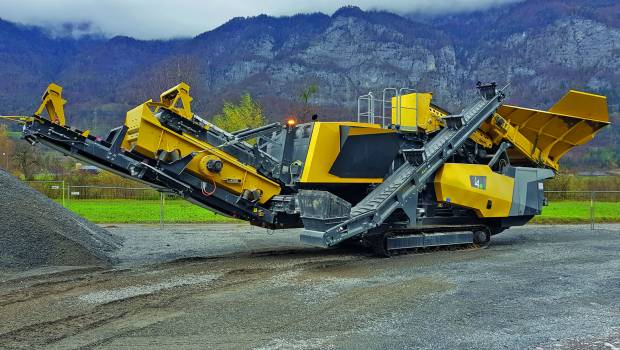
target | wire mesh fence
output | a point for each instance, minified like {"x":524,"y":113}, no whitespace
{"x":596,"y":206}
{"x":111,"y":192}
{"x":82,"y":198}
{"x":52,"y":189}
{"x":597,"y":196}
{"x":564,"y":206}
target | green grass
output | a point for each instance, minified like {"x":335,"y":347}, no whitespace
{"x":572,"y":212}
{"x":130,"y":211}
{"x":15,"y":134}
{"x":180,"y":211}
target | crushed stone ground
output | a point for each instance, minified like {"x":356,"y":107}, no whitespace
{"x":534,"y":287}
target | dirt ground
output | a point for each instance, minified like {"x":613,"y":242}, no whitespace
{"x":233,"y":287}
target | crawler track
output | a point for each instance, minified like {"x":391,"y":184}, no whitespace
{"x":400,"y":242}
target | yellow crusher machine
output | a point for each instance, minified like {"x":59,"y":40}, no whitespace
{"x":407,"y":174}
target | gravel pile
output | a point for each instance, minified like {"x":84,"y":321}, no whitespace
{"x":35,"y":232}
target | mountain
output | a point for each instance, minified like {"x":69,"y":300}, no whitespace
{"x":542,"y":48}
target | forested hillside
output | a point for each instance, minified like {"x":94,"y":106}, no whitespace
{"x":543,"y":48}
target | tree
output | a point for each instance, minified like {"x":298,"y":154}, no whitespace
{"x":304,"y":96}
{"x":247,"y":113}
{"x":6,"y":148}
{"x":55,"y":164}
{"x":27,"y":159}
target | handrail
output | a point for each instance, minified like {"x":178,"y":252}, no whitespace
{"x":386,"y":104}
{"x":385,"y":101}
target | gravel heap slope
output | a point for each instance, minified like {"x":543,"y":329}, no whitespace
{"x":35,"y":231}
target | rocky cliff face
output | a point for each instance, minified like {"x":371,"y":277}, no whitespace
{"x":543,"y":62}
{"x":541,"y":48}
{"x":352,"y":54}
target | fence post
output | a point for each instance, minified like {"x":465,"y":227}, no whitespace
{"x":592,"y":210}
{"x":63,"y":193}
{"x":161,"y":210}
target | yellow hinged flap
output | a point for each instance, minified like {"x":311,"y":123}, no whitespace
{"x":572,"y":121}
{"x":583,"y":105}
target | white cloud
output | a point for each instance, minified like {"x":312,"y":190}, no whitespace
{"x":155,"y":19}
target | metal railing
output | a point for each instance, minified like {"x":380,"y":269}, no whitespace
{"x":390,"y":114}
{"x":368,"y":114}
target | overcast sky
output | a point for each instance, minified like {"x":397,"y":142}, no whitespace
{"x":162,"y":19}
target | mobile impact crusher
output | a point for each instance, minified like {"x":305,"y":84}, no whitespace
{"x":407,"y":174}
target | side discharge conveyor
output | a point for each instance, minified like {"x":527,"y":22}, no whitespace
{"x":410,"y":176}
